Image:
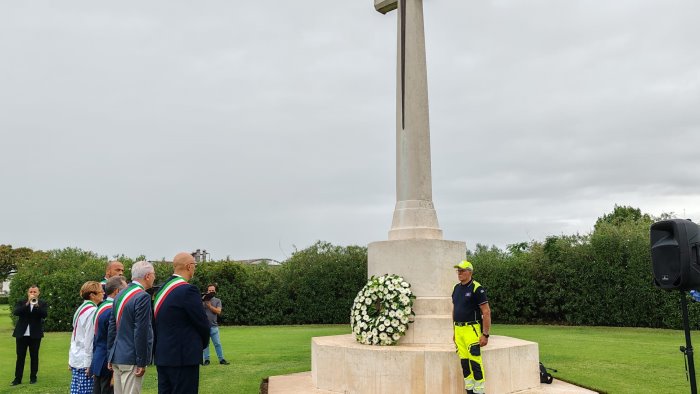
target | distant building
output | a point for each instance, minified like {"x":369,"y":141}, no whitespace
{"x":200,"y":255}
{"x":6,"y":285}
{"x":260,"y":261}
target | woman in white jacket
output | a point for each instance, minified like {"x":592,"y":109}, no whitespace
{"x":80,"y":354}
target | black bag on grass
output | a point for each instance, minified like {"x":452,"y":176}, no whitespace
{"x":546,"y":377}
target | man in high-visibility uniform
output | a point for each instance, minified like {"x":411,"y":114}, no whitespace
{"x":472,"y":321}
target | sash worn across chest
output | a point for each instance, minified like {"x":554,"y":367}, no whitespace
{"x":104,"y":307}
{"x":86,"y":307}
{"x":165,"y":291}
{"x":123,"y":298}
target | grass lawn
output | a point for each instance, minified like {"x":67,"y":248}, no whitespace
{"x":254,"y":353}
{"x":607,"y":359}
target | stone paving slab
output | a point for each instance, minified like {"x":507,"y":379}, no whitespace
{"x":300,"y":383}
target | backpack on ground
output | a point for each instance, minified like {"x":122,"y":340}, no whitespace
{"x":546,"y":377}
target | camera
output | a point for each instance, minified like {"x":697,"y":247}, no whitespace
{"x":208,"y":296}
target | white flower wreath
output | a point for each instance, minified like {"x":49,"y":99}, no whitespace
{"x":381,"y":311}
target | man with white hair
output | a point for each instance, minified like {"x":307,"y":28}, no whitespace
{"x":130,"y":334}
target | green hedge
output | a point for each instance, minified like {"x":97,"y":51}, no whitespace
{"x":602,"y":278}
{"x":316,"y":285}
{"x":4,"y":300}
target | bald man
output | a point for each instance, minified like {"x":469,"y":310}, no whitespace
{"x":113,"y":268}
{"x":181,"y":330}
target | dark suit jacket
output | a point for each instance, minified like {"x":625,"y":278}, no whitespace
{"x":32,"y":318}
{"x":132,"y":343}
{"x":182,"y":328}
{"x":99,"y":344}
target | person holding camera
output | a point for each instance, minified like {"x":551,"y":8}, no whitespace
{"x":28,"y":332}
{"x":212,"y":306}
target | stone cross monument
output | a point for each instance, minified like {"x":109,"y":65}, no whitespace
{"x":414,"y":215}
{"x":424,"y":361}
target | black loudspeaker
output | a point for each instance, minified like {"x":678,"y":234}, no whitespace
{"x":675,"y":254}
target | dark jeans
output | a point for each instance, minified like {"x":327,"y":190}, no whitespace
{"x":22,"y":344}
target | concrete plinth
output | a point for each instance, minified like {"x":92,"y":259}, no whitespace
{"x":427,"y":265}
{"x":339,"y":364}
{"x":300,"y":383}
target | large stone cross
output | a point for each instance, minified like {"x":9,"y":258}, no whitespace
{"x":414,"y":213}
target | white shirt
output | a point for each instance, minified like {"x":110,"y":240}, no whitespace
{"x":80,"y":353}
{"x":31,"y":308}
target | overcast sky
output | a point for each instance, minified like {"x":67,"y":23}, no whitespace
{"x":251,"y":128}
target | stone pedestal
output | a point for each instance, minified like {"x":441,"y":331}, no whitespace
{"x":427,"y":265}
{"x":339,"y":364}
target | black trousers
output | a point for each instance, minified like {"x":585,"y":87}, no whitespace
{"x":101,"y":384}
{"x":178,"y":380}
{"x":33,"y":345}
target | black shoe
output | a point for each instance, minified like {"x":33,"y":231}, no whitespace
{"x":32,"y":381}
{"x":224,"y":362}
{"x":206,"y":362}
{"x":15,"y":383}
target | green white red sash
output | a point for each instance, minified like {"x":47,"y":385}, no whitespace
{"x":165,"y":291}
{"x":86,"y":307}
{"x":104,"y":307}
{"x":124,"y":297}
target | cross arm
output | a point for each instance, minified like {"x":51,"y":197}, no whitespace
{"x":385,"y":6}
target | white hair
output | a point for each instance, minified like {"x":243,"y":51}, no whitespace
{"x":140,"y":269}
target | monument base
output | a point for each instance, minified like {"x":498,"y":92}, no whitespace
{"x":300,"y":383}
{"x":339,"y":364}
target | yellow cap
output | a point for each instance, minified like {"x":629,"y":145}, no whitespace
{"x":465,"y":265}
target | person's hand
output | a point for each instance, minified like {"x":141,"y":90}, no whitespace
{"x":140,"y":371}
{"x":87,"y":372}
{"x":109,"y":366}
{"x":483,"y":341}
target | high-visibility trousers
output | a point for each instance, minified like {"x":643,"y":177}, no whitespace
{"x":469,"y":351}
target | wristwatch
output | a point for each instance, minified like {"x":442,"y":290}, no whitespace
{"x":485,"y":334}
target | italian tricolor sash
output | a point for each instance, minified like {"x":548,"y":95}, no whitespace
{"x":124,"y":297}
{"x":165,"y":292}
{"x":87,"y":306}
{"x":104,"y":307}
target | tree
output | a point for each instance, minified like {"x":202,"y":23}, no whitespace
{"x":623,"y":214}
{"x":9,"y":258}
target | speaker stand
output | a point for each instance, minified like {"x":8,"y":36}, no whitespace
{"x":687,"y":350}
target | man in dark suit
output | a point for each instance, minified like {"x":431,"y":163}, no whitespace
{"x":130,"y":333}
{"x":102,"y":375}
{"x":181,"y":329}
{"x":28,"y":332}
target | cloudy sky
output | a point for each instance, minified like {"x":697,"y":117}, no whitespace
{"x":251,"y":128}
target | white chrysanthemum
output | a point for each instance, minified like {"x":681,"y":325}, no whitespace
{"x":392,"y":298}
